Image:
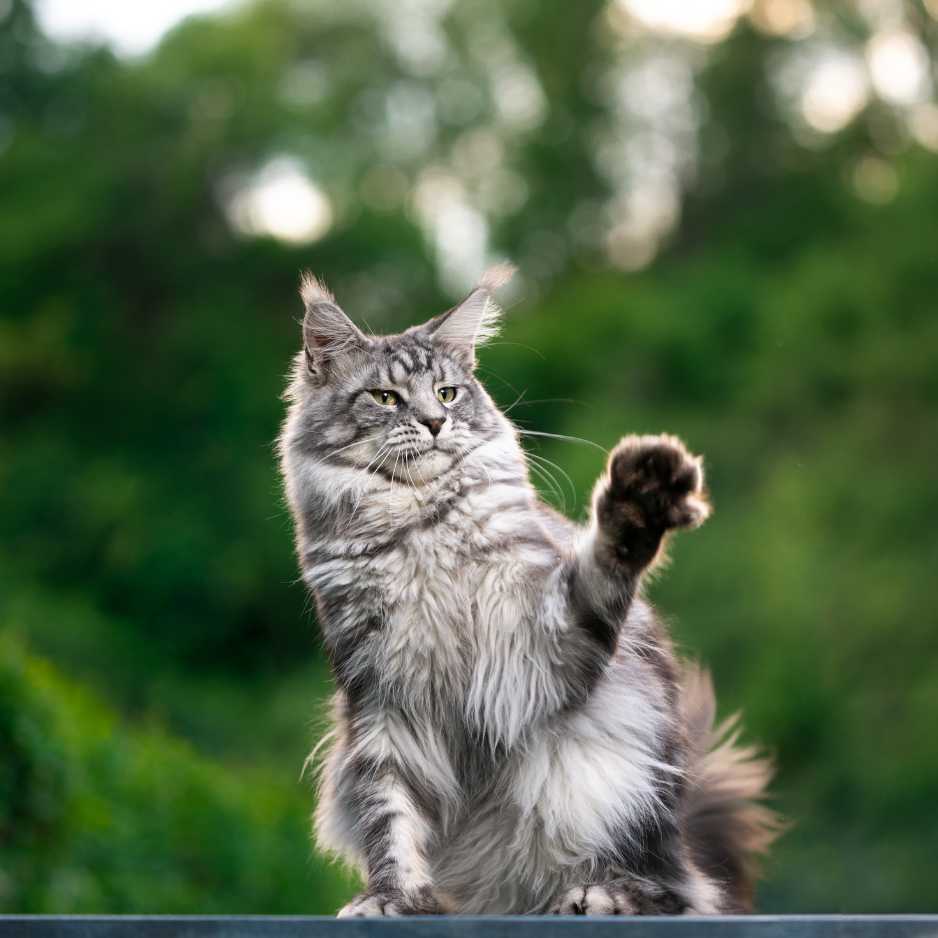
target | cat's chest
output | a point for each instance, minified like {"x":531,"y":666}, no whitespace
{"x":441,"y":557}
{"x":427,"y":590}
{"x":428,"y":564}
{"x":439,"y":590}
{"x":424,"y":593}
{"x":443,"y":590}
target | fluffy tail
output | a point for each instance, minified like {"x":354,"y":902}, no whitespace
{"x":728,"y":827}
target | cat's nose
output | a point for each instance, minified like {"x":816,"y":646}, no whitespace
{"x":433,"y":424}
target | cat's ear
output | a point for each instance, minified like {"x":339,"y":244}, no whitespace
{"x":475,"y":320}
{"x":327,"y":332}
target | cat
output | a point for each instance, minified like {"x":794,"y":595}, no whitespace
{"x":512,"y":730}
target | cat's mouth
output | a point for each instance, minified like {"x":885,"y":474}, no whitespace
{"x":421,"y":449}
{"x":420,"y":463}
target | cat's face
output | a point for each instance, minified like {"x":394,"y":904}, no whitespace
{"x":405,"y":406}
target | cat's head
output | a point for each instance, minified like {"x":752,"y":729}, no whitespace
{"x":406,"y":405}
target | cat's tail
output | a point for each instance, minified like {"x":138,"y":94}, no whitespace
{"x":729,"y":828}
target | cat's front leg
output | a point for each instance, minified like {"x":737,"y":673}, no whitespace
{"x":653,"y":485}
{"x":391,"y":809}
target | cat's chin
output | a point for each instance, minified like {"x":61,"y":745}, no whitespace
{"x":419,"y":468}
{"x":427,"y":467}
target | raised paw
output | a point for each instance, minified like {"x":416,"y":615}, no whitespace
{"x":392,"y":903}
{"x":660,"y":480}
{"x":594,"y":899}
{"x":653,"y":485}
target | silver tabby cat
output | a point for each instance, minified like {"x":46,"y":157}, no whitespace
{"x":513,"y":733}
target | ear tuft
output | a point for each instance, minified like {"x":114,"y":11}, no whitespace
{"x":327,"y":332}
{"x":497,"y":276}
{"x":313,"y":290}
{"x":476,"y":319}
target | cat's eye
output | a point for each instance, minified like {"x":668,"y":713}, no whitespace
{"x":385,"y":398}
{"x":446,"y":395}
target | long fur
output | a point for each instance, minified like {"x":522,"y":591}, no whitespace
{"x":728,"y":828}
{"x":512,"y":731}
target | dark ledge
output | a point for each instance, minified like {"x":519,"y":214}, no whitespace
{"x":755,"y":926}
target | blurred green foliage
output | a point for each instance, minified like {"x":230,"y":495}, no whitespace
{"x":98,"y":816}
{"x":158,"y":667}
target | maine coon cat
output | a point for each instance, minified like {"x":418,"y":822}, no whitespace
{"x":513,"y":733}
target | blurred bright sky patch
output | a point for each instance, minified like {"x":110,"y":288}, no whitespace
{"x":282,"y":202}
{"x":647,"y":153}
{"x":132,"y":28}
{"x":706,"y":20}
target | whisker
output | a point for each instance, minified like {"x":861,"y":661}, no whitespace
{"x":565,"y":438}
{"x":367,"y":439}
{"x":468,"y":448}
{"x":529,"y":348}
{"x":397,"y":458}
{"x":381,"y":449}
{"x":548,"y":490}
{"x":560,"y":469}
{"x":507,"y":384}
{"x":375,"y":457}
{"x":407,"y":458}
{"x":517,"y":401}
{"x":554,"y":400}
{"x":549,"y":469}
{"x":547,"y":478}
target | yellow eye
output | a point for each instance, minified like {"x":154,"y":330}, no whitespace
{"x":446,"y":395}
{"x":385,"y":398}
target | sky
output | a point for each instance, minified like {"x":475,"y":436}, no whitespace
{"x":132,"y":28}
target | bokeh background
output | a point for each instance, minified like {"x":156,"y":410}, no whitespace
{"x":724,"y":214}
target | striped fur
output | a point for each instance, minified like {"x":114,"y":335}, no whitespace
{"x":512,"y":731}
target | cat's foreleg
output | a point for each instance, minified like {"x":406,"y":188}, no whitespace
{"x":652,"y":485}
{"x":395,"y":831}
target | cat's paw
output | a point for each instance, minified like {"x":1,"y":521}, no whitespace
{"x":624,"y":895}
{"x":652,"y":485}
{"x":369,"y":905}
{"x":657,"y":483}
{"x":594,"y":899}
{"x":392,"y":903}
